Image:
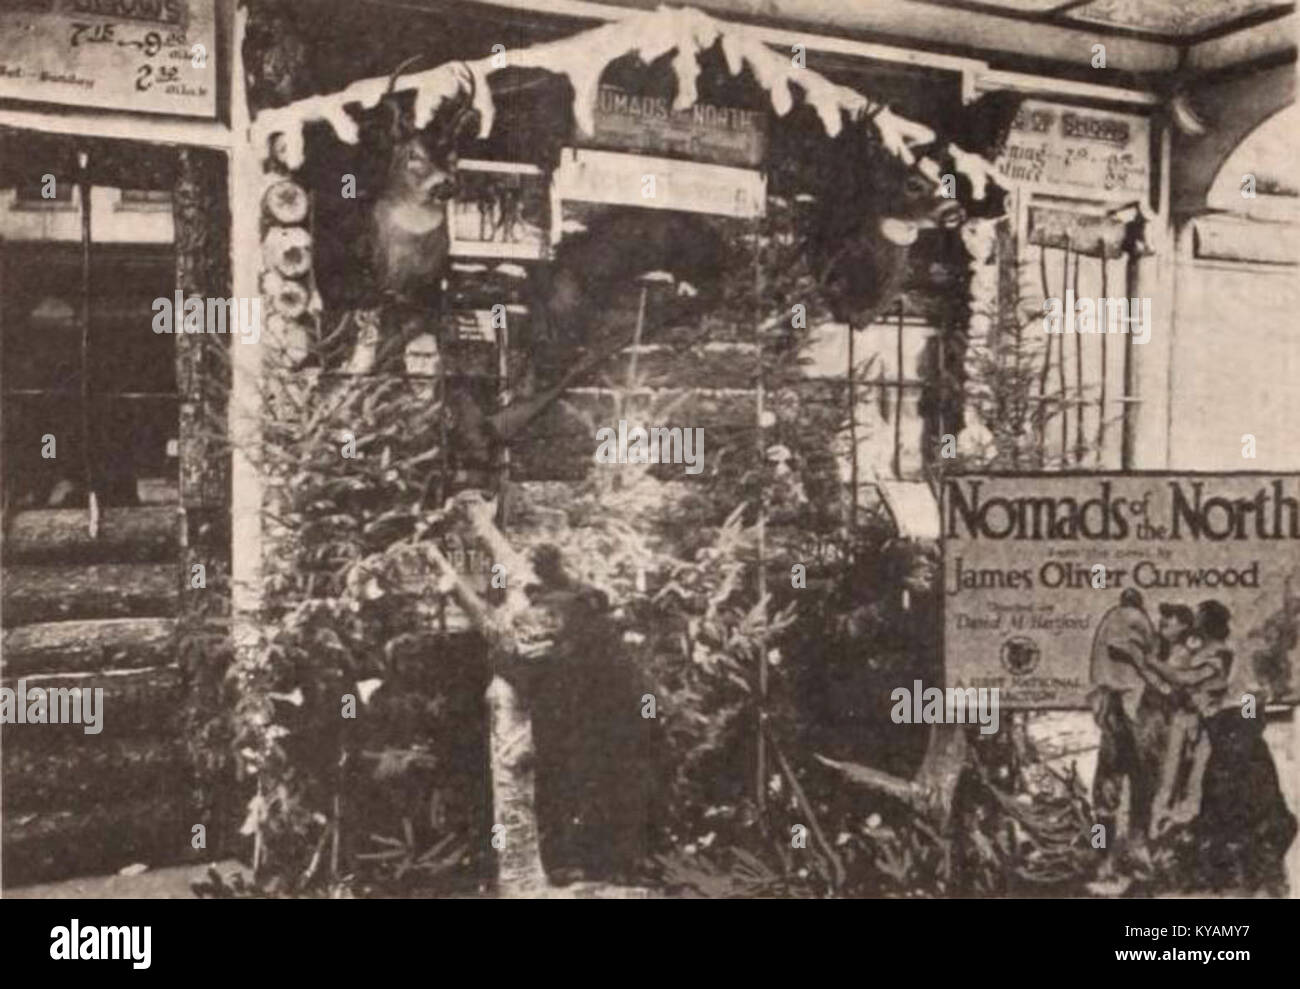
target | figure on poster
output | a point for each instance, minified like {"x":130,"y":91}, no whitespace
{"x":1244,"y":827}
{"x":1120,"y":787}
{"x":1185,"y":675}
{"x":1169,"y":731}
{"x":1217,"y":774}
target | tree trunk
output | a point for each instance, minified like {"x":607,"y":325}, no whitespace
{"x":512,"y":753}
{"x":515,"y":639}
{"x":513,"y":757}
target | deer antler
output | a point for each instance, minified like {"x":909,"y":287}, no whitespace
{"x":395,"y":112}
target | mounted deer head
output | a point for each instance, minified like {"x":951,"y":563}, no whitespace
{"x":409,"y":241}
{"x":859,"y":252}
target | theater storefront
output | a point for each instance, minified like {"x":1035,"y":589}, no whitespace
{"x":1110,"y":192}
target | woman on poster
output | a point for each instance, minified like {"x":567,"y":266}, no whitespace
{"x":1218,"y":774}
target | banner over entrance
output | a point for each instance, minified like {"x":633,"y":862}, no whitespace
{"x":1042,"y":571}
{"x":659,"y":183}
{"x":723,"y":135}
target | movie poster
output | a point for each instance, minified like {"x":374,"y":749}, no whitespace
{"x":1053,"y":583}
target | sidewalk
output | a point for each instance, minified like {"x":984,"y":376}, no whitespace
{"x":171,"y":883}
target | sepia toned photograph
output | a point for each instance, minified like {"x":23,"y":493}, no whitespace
{"x":753,"y":449}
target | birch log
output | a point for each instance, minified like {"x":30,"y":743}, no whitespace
{"x":932,"y":791}
{"x":514,"y":832}
{"x":91,"y":645}
{"x":512,"y":752}
{"x":126,"y":535}
{"x":515,"y":633}
{"x":80,"y":591}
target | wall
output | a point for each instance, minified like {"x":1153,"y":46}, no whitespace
{"x":1235,"y":366}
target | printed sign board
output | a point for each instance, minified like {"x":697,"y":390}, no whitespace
{"x":1046,"y":575}
{"x":724,"y":135}
{"x":659,"y":183}
{"x":150,"y":56}
{"x":501,"y":210}
{"x":1066,"y":149}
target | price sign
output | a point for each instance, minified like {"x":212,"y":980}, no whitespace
{"x":1074,"y":151}
{"x":151,"y":56}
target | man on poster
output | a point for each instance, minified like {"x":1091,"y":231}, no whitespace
{"x":1120,"y":790}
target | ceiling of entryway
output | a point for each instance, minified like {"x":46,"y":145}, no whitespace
{"x":1145,"y":40}
{"x":1176,"y":20}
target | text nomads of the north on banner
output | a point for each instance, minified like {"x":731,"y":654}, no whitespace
{"x":1056,"y":584}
